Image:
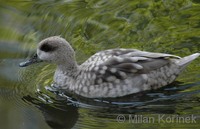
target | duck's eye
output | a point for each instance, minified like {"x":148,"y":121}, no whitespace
{"x":47,"y":48}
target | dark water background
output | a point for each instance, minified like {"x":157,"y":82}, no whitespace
{"x":168,"y":26}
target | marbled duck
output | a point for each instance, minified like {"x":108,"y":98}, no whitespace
{"x":109,"y":73}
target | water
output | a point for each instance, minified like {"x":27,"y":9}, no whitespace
{"x":90,"y":26}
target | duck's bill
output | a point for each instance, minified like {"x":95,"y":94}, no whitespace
{"x":33,"y":60}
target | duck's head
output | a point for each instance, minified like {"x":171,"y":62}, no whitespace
{"x":53,"y":49}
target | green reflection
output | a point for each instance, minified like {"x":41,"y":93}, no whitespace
{"x":167,"y":26}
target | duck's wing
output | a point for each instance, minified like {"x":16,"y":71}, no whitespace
{"x":123,"y":62}
{"x":138,"y":61}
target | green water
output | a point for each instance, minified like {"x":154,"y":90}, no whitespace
{"x":167,"y":26}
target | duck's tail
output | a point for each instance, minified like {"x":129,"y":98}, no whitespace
{"x":183,"y":62}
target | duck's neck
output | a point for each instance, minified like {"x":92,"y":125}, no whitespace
{"x":68,"y":68}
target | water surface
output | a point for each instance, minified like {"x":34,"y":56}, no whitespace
{"x":90,"y":26}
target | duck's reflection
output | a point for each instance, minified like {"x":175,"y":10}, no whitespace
{"x":58,"y":115}
{"x":62,"y":112}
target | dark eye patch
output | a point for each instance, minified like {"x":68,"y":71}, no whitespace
{"x":47,"y":47}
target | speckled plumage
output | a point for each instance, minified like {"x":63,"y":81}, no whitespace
{"x":110,"y":73}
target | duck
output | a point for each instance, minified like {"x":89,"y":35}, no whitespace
{"x":109,"y":73}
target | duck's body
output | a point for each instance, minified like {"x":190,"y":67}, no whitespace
{"x":119,"y":72}
{"x":111,"y":73}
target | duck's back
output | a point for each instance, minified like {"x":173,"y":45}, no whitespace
{"x":119,"y":72}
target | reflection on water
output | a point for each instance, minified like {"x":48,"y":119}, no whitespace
{"x":160,"y":26}
{"x":60,"y":115}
